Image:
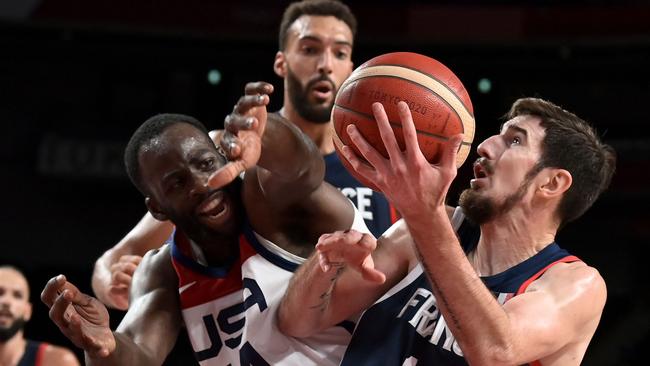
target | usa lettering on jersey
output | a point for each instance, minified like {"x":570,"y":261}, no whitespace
{"x":222,"y":330}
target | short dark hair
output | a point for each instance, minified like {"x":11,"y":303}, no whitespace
{"x":315,"y":7}
{"x":147,"y":132}
{"x":571,"y":143}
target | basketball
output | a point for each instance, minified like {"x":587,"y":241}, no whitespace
{"x":439,"y":104}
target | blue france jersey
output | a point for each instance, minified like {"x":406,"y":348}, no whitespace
{"x":374,"y":208}
{"x":405,"y":326}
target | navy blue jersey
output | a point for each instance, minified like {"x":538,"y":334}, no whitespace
{"x":374,"y":207}
{"x":33,"y":355}
{"x":405,"y":326}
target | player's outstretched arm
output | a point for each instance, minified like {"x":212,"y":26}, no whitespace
{"x":146,"y":334}
{"x":114,"y":270}
{"x":348,"y":273}
{"x":289,"y":165}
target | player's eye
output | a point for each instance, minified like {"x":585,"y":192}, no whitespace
{"x":175,"y":184}
{"x":341,"y":55}
{"x":207,"y":164}
{"x":308,"y":50}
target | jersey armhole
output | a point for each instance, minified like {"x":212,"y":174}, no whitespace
{"x":40,"y":353}
{"x":524,"y":286}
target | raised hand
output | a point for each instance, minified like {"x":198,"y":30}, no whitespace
{"x":121,"y":276}
{"x":407,"y":179}
{"x":349,"y":248}
{"x":241,"y":139}
{"x":81,"y":318}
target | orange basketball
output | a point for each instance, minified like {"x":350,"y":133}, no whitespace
{"x":437,"y":99}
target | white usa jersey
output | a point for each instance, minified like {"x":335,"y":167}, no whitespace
{"x":230,"y":313}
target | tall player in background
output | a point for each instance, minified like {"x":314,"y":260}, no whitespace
{"x":316,"y":40}
{"x":15,"y":311}
{"x":224,"y":278}
{"x":440,"y":292}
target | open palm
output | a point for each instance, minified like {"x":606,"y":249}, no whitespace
{"x":81,"y":318}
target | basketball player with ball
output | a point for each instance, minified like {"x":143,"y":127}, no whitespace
{"x":483,"y":283}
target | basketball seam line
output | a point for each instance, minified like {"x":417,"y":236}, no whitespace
{"x":434,"y":78}
{"x":439,"y":137}
{"x":440,"y":98}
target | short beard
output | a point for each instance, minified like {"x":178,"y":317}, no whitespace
{"x":480,"y":209}
{"x":8,"y":333}
{"x":310,"y":112}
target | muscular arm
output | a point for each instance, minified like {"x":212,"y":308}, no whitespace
{"x":283,"y":185}
{"x":150,"y":328}
{"x":562,"y":307}
{"x":59,"y":356}
{"x":148,"y":234}
{"x":321,"y":300}
{"x":290,"y":166}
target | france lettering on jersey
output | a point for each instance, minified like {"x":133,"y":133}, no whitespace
{"x":405,"y":326}
{"x":375,"y":209}
{"x":230,"y":312}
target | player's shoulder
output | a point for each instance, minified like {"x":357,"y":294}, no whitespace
{"x":58,"y":356}
{"x":575,"y":278}
{"x":574,"y":272}
{"x":396,"y":242}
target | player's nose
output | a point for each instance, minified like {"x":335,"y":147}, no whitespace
{"x":325,"y":63}
{"x":200,"y":184}
{"x":488,"y":148}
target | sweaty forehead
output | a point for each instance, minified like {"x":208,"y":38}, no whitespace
{"x":177,"y":146}
{"x":180,"y":137}
{"x":324,"y":28}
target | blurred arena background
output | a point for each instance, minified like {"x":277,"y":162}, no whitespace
{"x":77,"y":77}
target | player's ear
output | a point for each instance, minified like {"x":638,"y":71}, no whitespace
{"x":280,"y":64}
{"x":557,"y":181}
{"x":154,"y":208}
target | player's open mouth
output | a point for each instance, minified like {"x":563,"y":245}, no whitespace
{"x":322,"y":90}
{"x":481,"y":171}
{"x":213,"y":206}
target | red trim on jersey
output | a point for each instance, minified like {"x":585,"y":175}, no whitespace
{"x":201,"y":288}
{"x":40,"y":353}
{"x":524,"y":286}
{"x":394,"y":215}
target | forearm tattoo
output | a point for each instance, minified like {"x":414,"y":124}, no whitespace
{"x":327,"y":295}
{"x":440,"y":295}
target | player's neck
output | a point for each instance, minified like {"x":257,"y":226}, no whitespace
{"x":12,"y":350}
{"x":319,"y":133}
{"x":216,"y":251}
{"x":509,"y":240}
